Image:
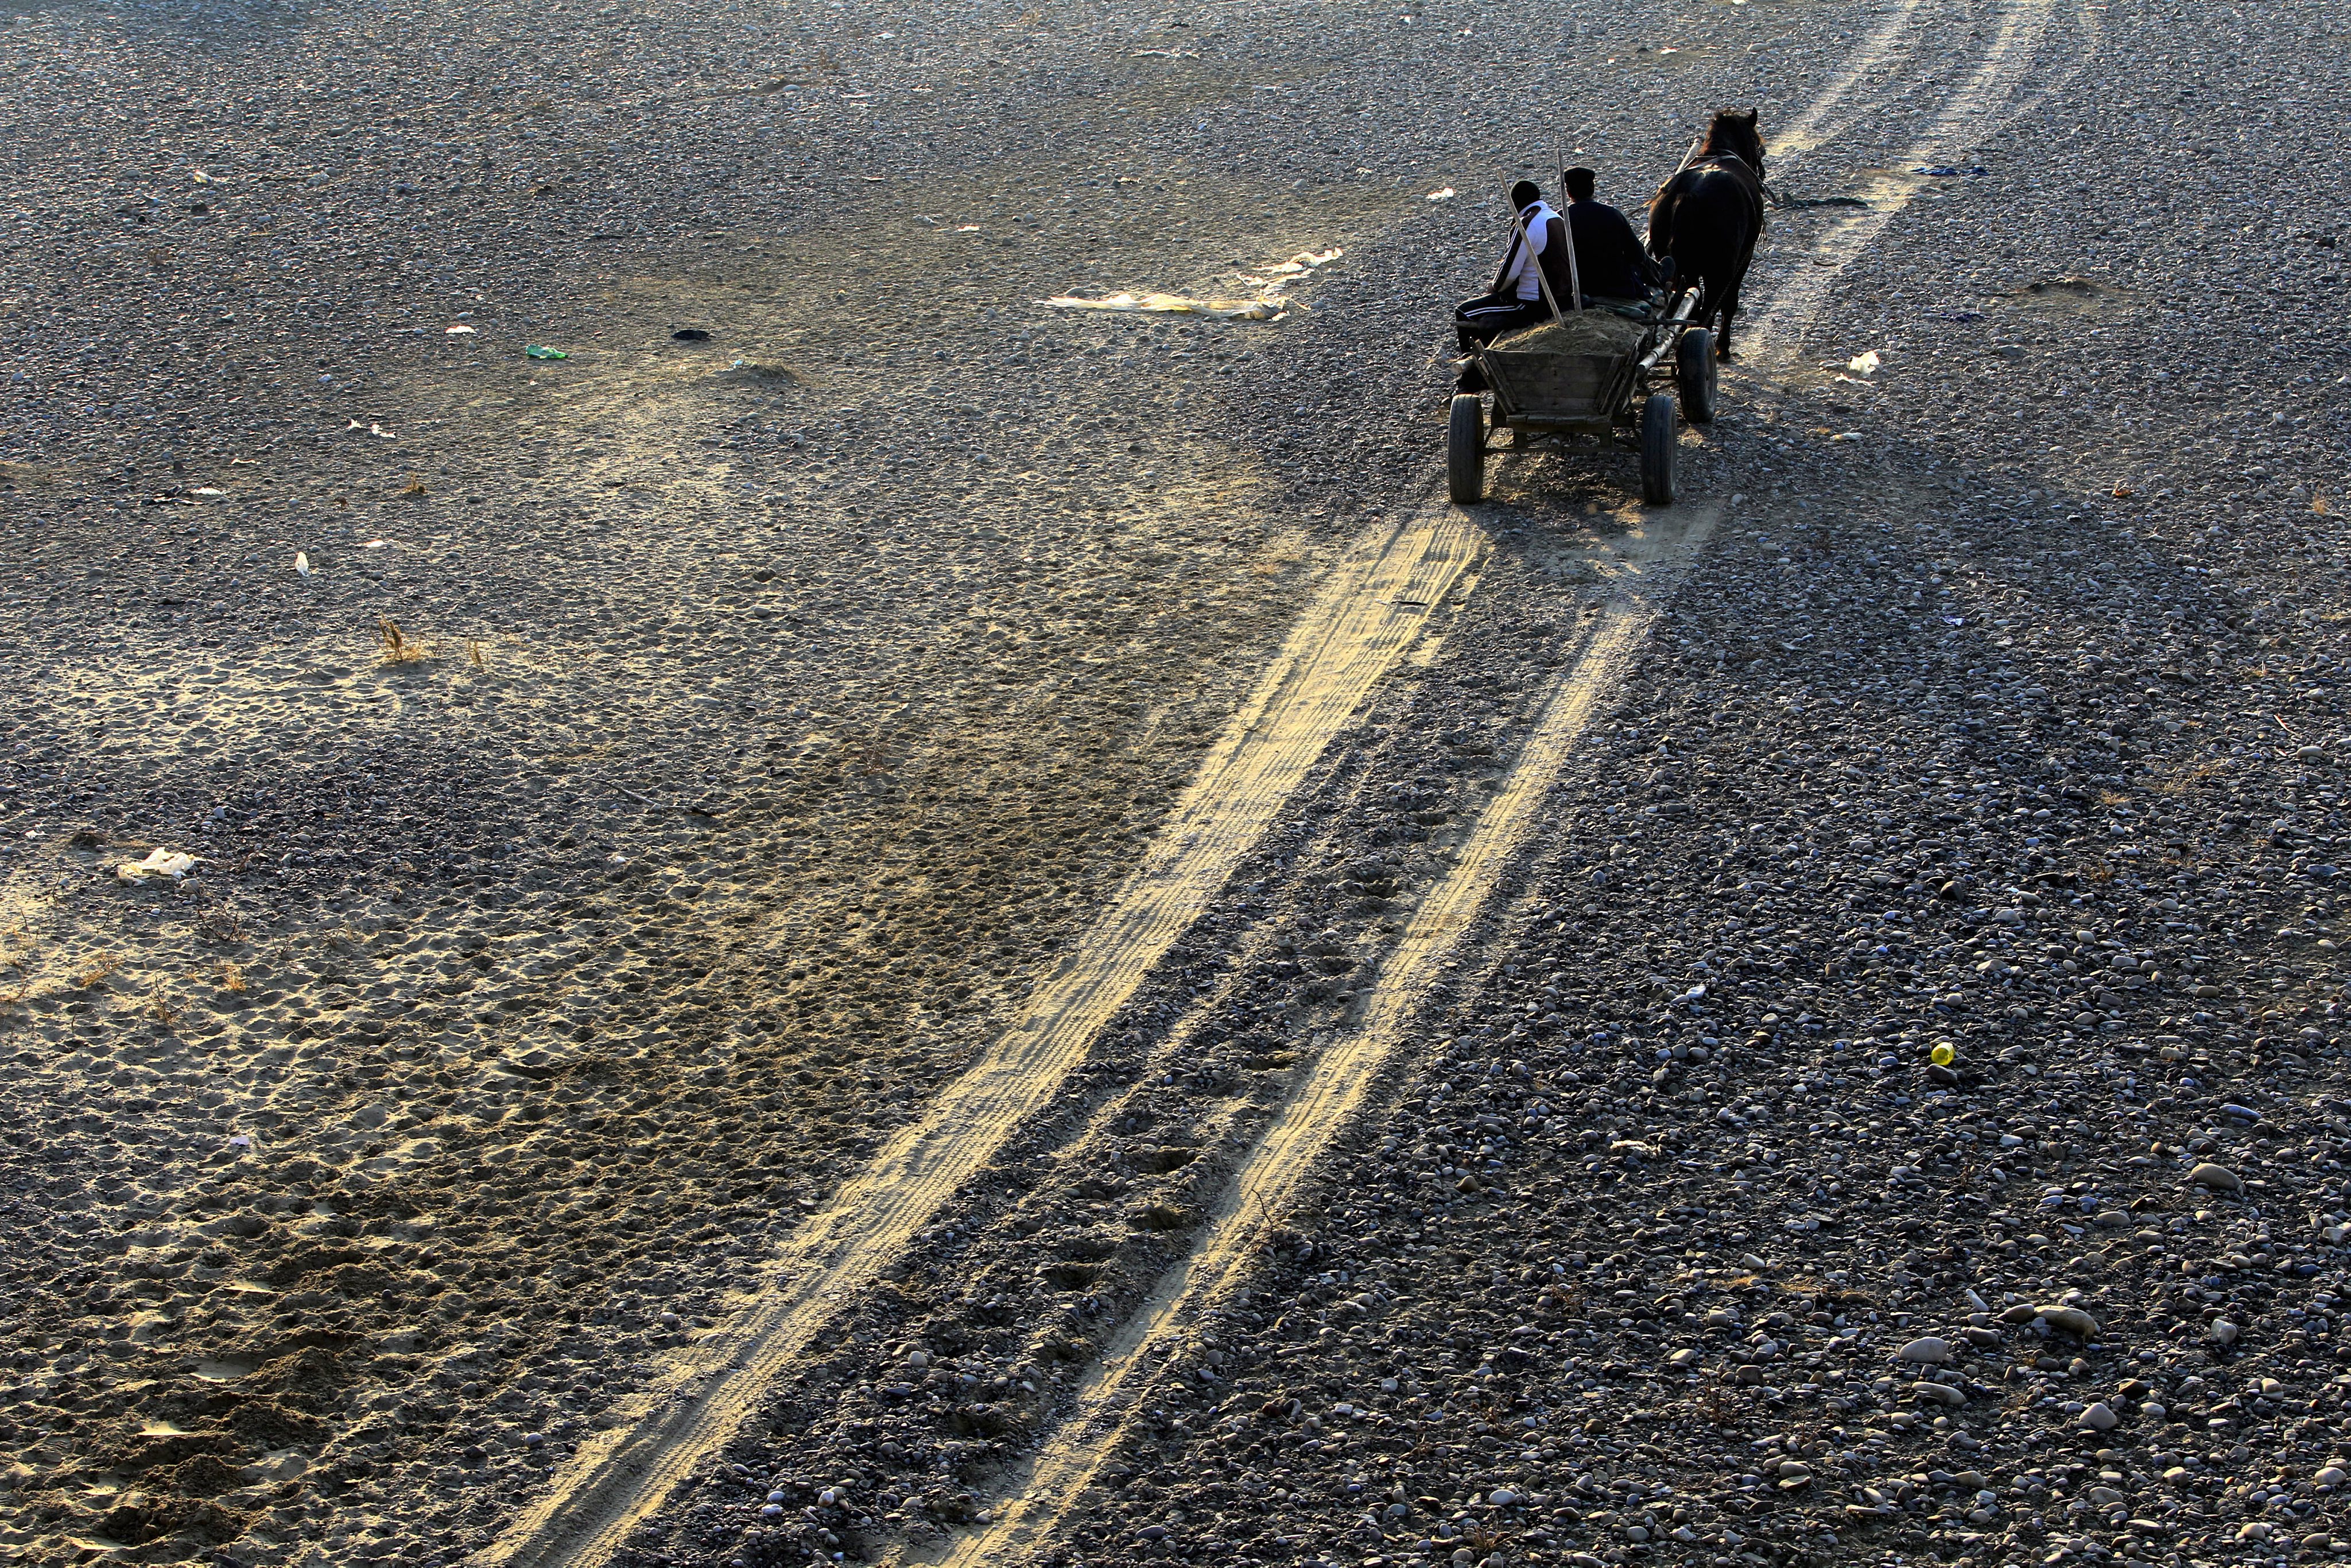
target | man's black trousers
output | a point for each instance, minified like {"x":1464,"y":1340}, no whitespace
{"x":1482,"y":320}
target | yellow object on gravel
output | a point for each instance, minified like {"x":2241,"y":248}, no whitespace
{"x":1177,"y":305}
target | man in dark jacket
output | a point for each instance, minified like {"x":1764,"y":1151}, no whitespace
{"x":1612,"y":264}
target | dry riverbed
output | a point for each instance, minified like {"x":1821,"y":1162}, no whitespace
{"x":927,"y":927}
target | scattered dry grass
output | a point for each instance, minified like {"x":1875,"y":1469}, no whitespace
{"x":15,"y":475}
{"x":414,"y":486}
{"x":160,"y":1009}
{"x":104,"y":968}
{"x":20,"y":963}
{"x":229,"y":976}
{"x":398,"y":649}
{"x":474,"y":652}
{"x":2183,"y":779}
{"x":220,"y":926}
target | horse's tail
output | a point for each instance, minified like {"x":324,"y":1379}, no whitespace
{"x":1661,"y":216}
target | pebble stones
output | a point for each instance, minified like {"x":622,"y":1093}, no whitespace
{"x":1909,"y":821}
{"x":1930,"y":1349}
{"x":2219,"y":1179}
{"x":2099,"y":1418}
{"x":2069,"y":1320}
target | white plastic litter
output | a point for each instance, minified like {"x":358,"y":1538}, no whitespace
{"x":1443,"y":195}
{"x":169,"y":864}
{"x":372,"y":544}
{"x":1177,"y":305}
{"x":302,"y":563}
{"x":1304,"y":262}
{"x":1865,"y":364}
{"x":459,"y":332}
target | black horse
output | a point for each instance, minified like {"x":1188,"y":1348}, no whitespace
{"x":1708,"y":216}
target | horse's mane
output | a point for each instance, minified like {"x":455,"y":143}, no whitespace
{"x":1723,"y":132}
{"x":1729,"y":133}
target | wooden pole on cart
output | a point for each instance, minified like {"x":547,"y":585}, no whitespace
{"x":1567,"y":227}
{"x":1696,"y":142}
{"x":1540,"y":281}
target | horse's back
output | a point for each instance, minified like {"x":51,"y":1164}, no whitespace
{"x":1713,"y":208}
{"x":1725,"y":183}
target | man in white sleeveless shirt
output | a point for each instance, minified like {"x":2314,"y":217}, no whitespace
{"x":1516,"y":300}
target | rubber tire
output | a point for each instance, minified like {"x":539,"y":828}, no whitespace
{"x":1660,"y":442}
{"x":1695,"y":375}
{"x":1465,"y":450}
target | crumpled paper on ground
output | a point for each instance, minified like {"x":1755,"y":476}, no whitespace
{"x":169,"y":864}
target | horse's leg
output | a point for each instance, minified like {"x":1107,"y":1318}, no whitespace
{"x":1738,"y":270}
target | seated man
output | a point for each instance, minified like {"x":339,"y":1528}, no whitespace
{"x":1516,"y":300}
{"x":1612,"y":264}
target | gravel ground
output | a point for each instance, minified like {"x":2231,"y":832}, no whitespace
{"x":790,"y":699}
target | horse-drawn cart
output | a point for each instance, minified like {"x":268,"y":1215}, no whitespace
{"x":1566,"y":378}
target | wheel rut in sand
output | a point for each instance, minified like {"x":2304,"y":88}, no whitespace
{"x":1281,"y":1164}
{"x":1374,"y":607}
{"x":1886,"y":45}
{"x":1642,"y":573}
{"x":1372,"y":610}
{"x":1980,"y":103}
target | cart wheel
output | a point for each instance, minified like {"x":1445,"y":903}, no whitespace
{"x":1464,"y":451}
{"x":1694,"y":371}
{"x":1660,"y":439}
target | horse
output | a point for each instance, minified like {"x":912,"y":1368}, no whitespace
{"x":1708,"y":215}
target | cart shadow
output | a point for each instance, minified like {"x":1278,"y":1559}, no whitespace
{"x":2097,"y":660}
{"x":1549,"y":472}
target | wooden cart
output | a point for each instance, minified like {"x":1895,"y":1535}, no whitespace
{"x":1559,"y":396}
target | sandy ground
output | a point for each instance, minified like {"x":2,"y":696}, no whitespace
{"x":929,"y":927}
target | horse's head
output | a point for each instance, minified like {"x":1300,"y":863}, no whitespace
{"x":1734,"y":130}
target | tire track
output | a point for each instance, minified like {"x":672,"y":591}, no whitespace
{"x":1280,"y":1163}
{"x":1778,"y":330}
{"x":1642,"y":575}
{"x":1373,"y":609}
{"x":1888,"y":44}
